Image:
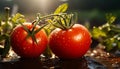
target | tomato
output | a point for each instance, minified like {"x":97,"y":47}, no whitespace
{"x":24,"y":45}
{"x":71,"y":43}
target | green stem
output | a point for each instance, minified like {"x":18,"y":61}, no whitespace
{"x":6,"y":47}
{"x":39,"y":18}
{"x":61,"y":25}
{"x":52,"y":16}
{"x":115,"y":29}
{"x":34,"y":25}
{"x":0,"y":27}
{"x":7,"y":9}
{"x":36,"y":31}
{"x":64,"y":19}
{"x":71,"y":19}
{"x":25,"y":28}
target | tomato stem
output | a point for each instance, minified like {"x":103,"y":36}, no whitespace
{"x":65,"y":21}
{"x":7,"y":9}
{"x":62,"y":20}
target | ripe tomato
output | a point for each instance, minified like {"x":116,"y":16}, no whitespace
{"x":25,"y":46}
{"x":70,"y":44}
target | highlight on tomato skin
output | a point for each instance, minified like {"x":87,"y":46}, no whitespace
{"x":24,"y":45}
{"x":72,"y":43}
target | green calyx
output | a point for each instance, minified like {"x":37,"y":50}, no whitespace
{"x":39,"y":20}
{"x":33,"y":31}
{"x":63,"y":21}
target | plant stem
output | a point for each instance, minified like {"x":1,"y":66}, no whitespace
{"x":115,"y":29}
{"x":7,"y":9}
{"x":0,"y":27}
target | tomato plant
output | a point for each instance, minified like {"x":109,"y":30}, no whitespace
{"x":7,"y":23}
{"x":69,"y":41}
{"x":28,"y":45}
{"x":108,"y":34}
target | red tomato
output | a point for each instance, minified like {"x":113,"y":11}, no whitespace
{"x":70,"y":44}
{"x":25,"y":46}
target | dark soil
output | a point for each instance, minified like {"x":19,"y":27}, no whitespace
{"x":94,"y":59}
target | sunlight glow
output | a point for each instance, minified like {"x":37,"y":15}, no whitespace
{"x":42,"y":5}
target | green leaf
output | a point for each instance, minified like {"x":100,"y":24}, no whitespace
{"x":21,"y":20}
{"x":96,"y":33}
{"x":62,"y":8}
{"x":17,"y":19}
{"x":49,"y":28}
{"x":109,"y":44}
{"x":6,"y":47}
{"x":110,"y":18}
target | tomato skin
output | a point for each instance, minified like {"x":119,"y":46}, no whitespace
{"x":27,"y":47}
{"x":70,"y":44}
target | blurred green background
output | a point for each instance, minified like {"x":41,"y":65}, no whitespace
{"x":89,"y":11}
